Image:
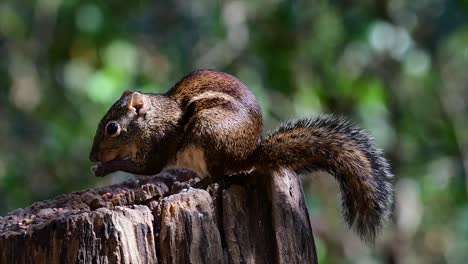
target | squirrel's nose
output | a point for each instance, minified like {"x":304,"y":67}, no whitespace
{"x":93,"y":156}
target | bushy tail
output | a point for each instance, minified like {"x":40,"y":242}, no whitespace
{"x":333,"y":144}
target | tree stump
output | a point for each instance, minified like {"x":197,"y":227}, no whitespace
{"x":159,"y":219}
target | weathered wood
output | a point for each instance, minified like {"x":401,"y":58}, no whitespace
{"x":289,"y":210}
{"x":189,"y":233}
{"x":260,"y":219}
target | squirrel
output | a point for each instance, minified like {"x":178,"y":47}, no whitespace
{"x":211,"y":123}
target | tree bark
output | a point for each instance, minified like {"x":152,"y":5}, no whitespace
{"x":159,"y":219}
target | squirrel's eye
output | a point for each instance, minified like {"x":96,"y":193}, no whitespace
{"x":112,"y":129}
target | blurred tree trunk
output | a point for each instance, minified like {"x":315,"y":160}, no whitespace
{"x":260,"y":219}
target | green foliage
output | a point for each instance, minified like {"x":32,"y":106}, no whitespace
{"x":397,"y":68}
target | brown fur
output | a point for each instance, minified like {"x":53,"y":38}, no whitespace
{"x":222,"y":116}
{"x":206,"y":110}
{"x":211,"y":122}
{"x":336,"y":146}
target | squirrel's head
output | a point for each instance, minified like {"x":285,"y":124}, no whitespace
{"x":134,"y":126}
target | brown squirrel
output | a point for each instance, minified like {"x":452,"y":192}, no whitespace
{"x":210,"y":122}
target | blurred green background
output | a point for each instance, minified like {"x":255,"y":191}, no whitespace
{"x":398,"y":68}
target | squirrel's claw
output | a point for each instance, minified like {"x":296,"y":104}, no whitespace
{"x":104,"y":168}
{"x":99,"y":170}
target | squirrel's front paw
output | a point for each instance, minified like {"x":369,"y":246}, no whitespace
{"x":98,"y":170}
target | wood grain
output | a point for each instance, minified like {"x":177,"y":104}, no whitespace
{"x":159,"y":219}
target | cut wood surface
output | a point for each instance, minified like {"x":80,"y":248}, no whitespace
{"x":160,"y":219}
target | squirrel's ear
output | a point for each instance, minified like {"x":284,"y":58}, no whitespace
{"x":126,"y":93}
{"x":138,"y":103}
